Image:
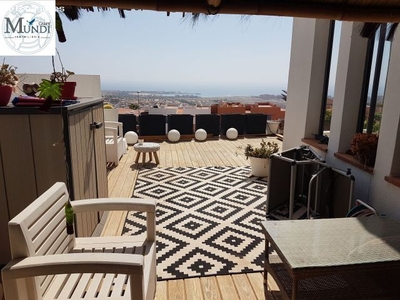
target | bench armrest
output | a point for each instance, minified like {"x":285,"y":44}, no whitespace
{"x":113,"y":204}
{"x":73,"y":263}
{"x":117,"y":125}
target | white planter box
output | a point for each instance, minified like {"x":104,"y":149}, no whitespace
{"x":259,"y":166}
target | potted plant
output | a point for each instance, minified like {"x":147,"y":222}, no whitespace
{"x":259,"y":157}
{"x":69,"y":217}
{"x":363,"y":147}
{"x":67,"y":87}
{"x":8,"y":82}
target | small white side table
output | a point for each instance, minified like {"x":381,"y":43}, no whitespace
{"x":144,"y":148}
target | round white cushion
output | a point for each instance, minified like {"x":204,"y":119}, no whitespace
{"x":174,"y":135}
{"x":200,"y":134}
{"x":131,"y":137}
{"x":232,"y":133}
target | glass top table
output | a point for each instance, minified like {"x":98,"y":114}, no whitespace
{"x":330,"y":249}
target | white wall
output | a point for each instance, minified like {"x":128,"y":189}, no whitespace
{"x":383,"y":195}
{"x":86,"y":85}
{"x":305,"y":84}
{"x":163,"y":111}
{"x":300,"y":117}
{"x":197,"y":111}
{"x":348,"y":86}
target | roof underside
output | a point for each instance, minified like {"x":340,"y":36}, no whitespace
{"x":379,"y":11}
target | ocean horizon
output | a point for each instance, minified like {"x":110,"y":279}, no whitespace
{"x":201,"y":91}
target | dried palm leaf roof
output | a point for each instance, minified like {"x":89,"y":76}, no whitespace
{"x":377,"y":11}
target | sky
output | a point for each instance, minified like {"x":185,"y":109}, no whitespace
{"x":224,"y":55}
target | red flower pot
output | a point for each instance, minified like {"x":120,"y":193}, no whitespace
{"x":68,"y":90}
{"x":5,"y":94}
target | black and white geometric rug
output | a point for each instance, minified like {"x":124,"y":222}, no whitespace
{"x":207,"y":220}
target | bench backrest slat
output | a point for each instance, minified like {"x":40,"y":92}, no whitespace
{"x":41,"y":229}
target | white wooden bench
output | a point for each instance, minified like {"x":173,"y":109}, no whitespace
{"x":116,"y":144}
{"x":48,"y":263}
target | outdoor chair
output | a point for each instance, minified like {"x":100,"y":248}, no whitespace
{"x":49,"y":263}
{"x":116,"y":144}
{"x":111,"y":114}
{"x":362,"y":209}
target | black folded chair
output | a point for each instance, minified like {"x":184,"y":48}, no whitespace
{"x":236,"y":121}
{"x":128,"y":122}
{"x":183,"y":123}
{"x":151,"y":125}
{"x":210,"y":123}
{"x":255,"y":123}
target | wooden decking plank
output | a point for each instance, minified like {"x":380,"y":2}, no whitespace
{"x":180,"y":154}
{"x":227,"y":288}
{"x":190,"y":155}
{"x":211,"y":150}
{"x":193,"y":289}
{"x":176,"y":289}
{"x":256,"y":281}
{"x":115,"y":223}
{"x":115,"y":174}
{"x":197,"y":147}
{"x":174,"y":154}
{"x":195,"y":151}
{"x":161,"y":290}
{"x":243,"y":287}
{"x":210,"y":288}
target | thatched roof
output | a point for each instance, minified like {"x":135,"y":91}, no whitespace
{"x":378,"y":11}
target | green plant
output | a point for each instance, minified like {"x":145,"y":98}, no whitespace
{"x":8,"y":76}
{"x":69,"y":217}
{"x":328,"y":115}
{"x":265,"y":150}
{"x":364,"y":146}
{"x":50,"y":89}
{"x":134,"y":106}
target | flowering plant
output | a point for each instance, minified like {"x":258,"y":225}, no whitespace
{"x":364,"y":146}
{"x":8,"y":76}
{"x":60,"y":76}
{"x":265,"y":150}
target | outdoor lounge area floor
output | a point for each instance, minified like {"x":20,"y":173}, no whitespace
{"x":218,"y":152}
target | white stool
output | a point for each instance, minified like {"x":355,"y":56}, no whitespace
{"x":144,"y":148}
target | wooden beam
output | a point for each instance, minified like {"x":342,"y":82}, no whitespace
{"x":361,"y":11}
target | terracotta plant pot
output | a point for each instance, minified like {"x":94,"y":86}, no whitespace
{"x":68,"y":90}
{"x":5,"y":94}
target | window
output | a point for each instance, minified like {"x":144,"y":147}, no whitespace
{"x":330,"y":74}
{"x":375,"y":73}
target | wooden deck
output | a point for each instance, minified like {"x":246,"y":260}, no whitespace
{"x":219,"y":152}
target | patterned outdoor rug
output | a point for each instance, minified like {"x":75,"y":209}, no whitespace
{"x":207,"y":220}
